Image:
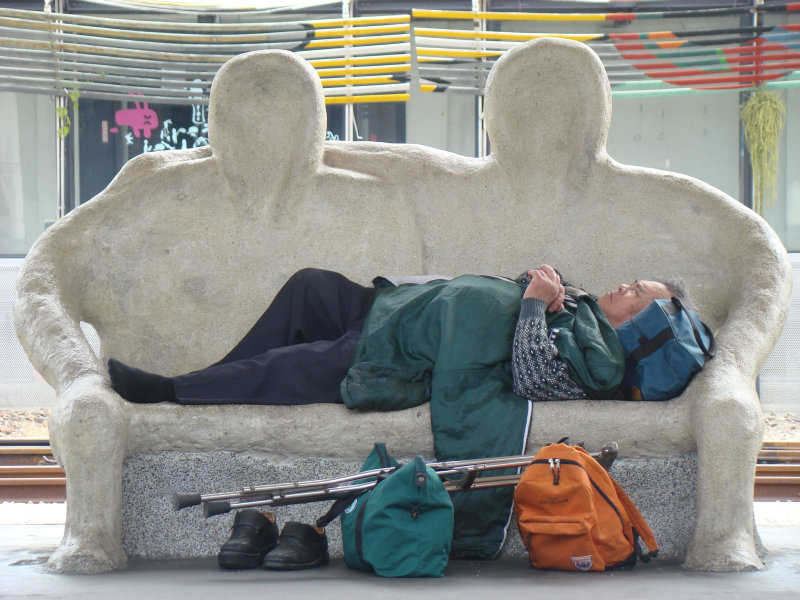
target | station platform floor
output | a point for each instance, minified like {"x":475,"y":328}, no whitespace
{"x":29,"y":533}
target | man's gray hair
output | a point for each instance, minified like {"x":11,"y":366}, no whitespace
{"x":677,"y":288}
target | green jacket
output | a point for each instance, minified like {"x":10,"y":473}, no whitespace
{"x":589,"y":346}
{"x":449,"y":342}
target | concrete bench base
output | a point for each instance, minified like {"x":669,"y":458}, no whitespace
{"x":663,"y":489}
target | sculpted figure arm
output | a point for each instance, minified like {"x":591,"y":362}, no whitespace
{"x":726,"y":423}
{"x":47,"y":317}
{"x":47,"y":320}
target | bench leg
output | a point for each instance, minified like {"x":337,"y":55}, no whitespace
{"x":87,"y":433}
{"x":728,"y":431}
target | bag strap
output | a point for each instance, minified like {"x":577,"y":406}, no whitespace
{"x":337,"y":508}
{"x":650,"y":346}
{"x":640,"y":527}
{"x":708,"y":351}
{"x":383,"y":454}
{"x":341,"y":504}
{"x":420,"y":472}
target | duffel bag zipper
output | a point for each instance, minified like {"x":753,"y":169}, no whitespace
{"x":359,"y":531}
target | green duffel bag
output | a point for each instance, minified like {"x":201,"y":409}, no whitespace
{"x":403,"y":527}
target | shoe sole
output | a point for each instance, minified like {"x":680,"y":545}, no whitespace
{"x":282,"y":566}
{"x":238,"y":560}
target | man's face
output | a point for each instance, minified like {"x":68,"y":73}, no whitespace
{"x":628,"y":300}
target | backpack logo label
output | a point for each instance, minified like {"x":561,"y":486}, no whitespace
{"x":553,"y":501}
{"x":582,"y":563}
{"x":352,"y":507}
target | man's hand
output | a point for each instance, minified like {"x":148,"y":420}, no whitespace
{"x":546,"y":286}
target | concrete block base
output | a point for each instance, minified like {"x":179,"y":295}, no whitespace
{"x":663,"y":489}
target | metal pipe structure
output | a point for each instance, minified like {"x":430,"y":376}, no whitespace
{"x":358,"y":59}
{"x":745,"y":167}
{"x":367,"y":59}
{"x":349,"y":113}
{"x":482,"y":145}
{"x":61,"y":112}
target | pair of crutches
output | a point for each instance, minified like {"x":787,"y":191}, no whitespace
{"x":458,"y":475}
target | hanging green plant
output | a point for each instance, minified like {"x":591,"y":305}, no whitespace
{"x":63,"y":114}
{"x":763,"y":116}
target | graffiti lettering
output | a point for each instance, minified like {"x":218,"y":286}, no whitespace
{"x":143,"y":120}
{"x":181,"y":138}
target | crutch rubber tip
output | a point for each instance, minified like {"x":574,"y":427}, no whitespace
{"x":180,"y":501}
{"x":216,"y":507}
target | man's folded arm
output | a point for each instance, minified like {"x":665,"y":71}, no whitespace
{"x":537,"y":372}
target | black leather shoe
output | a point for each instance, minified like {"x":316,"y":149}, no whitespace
{"x":252,"y":536}
{"x":299,"y":547}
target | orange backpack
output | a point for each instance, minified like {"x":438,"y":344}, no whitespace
{"x":573,"y":516}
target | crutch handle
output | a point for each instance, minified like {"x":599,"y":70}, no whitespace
{"x":216,"y":507}
{"x":180,"y":501}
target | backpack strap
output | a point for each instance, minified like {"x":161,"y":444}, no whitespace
{"x":640,"y":526}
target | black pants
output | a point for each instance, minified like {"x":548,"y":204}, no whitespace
{"x":298,"y":352}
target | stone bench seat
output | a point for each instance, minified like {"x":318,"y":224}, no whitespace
{"x":175,"y":260}
{"x":642,"y":429}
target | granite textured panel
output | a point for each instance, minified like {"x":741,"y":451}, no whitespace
{"x":665,"y":492}
{"x":662,"y":488}
{"x":151,"y":526}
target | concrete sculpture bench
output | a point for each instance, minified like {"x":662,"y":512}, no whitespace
{"x":176,"y":259}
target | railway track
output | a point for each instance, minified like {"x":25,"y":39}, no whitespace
{"x":28,"y":472}
{"x":778,"y":471}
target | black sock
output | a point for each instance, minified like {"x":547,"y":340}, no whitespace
{"x":139,"y":386}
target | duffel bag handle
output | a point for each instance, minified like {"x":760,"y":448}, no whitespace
{"x":341,"y":504}
{"x":708,"y":351}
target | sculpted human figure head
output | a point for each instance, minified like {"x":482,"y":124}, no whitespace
{"x":534,"y":120}
{"x":266,"y":121}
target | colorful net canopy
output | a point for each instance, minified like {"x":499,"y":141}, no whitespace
{"x":651,"y":62}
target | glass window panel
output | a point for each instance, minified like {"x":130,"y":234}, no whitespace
{"x":27,"y":170}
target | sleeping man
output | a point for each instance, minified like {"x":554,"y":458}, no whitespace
{"x":302,"y":347}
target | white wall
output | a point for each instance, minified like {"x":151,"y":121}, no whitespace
{"x":697,"y":135}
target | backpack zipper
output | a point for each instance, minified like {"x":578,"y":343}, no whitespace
{"x":555,"y":467}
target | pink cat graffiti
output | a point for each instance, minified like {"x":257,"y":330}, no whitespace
{"x":139,"y":119}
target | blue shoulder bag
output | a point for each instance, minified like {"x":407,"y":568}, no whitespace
{"x":665,"y":345}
